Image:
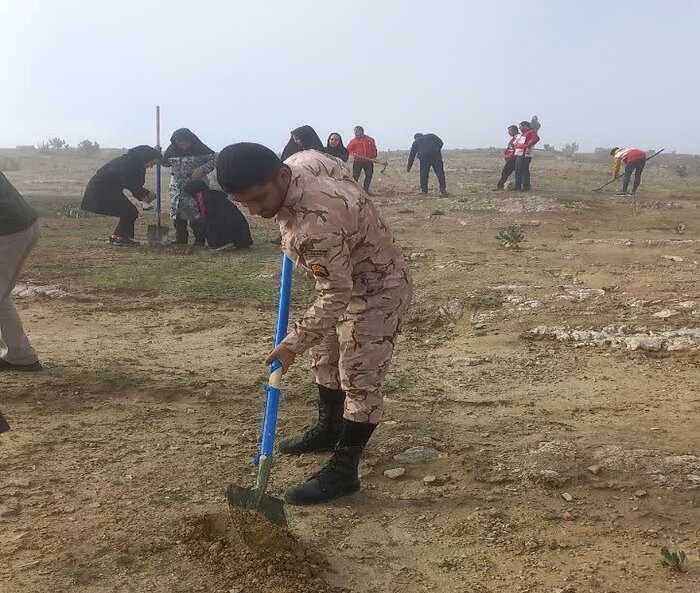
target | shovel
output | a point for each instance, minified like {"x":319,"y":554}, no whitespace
{"x":155,"y":233}
{"x":255,"y":498}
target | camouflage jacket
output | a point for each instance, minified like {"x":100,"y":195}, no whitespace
{"x":332,"y":230}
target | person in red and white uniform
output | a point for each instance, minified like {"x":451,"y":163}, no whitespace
{"x":634,"y":160}
{"x":524,"y":142}
{"x":509,"y":157}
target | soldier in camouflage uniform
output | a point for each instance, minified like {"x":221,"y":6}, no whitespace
{"x":331,"y":230}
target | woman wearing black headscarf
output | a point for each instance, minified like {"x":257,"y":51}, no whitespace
{"x":303,"y":138}
{"x":188,"y":158}
{"x":335,"y":147}
{"x":104,"y":192}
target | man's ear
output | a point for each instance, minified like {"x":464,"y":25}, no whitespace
{"x":284,"y":176}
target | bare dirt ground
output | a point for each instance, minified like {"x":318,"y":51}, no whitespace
{"x":557,"y":464}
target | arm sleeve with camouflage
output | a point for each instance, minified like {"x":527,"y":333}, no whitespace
{"x":328,"y":258}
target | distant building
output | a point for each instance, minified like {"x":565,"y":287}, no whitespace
{"x":25,"y":147}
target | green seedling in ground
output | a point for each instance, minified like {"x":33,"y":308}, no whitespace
{"x":510,"y":237}
{"x":679,"y":228}
{"x":673,"y":560}
{"x":69,"y":210}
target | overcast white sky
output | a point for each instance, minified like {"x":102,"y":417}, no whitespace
{"x":599,"y":72}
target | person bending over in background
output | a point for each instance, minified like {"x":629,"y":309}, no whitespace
{"x":634,"y":159}
{"x":428,"y":149}
{"x":363,"y":151}
{"x":335,"y":147}
{"x":509,"y":156}
{"x":19,"y":232}
{"x":224,"y":225}
{"x":188,"y":158}
{"x":104,"y":193}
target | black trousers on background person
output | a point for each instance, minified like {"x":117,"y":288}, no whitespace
{"x":181,"y":234}
{"x":507,"y":171}
{"x":368,"y":167}
{"x":522,"y":173}
{"x":439,"y":168}
{"x":635,"y":167}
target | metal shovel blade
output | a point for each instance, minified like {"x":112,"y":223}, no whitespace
{"x":253,"y":500}
{"x":154,"y":234}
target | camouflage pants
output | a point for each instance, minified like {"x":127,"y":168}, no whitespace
{"x":355,"y":357}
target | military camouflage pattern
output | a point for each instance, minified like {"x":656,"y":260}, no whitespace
{"x":181,"y":204}
{"x":332,"y":230}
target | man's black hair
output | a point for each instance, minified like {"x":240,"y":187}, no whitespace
{"x":513,"y":127}
{"x":417,"y":135}
{"x":243,"y":165}
{"x":525,"y":123}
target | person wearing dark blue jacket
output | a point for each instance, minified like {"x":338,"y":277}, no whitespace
{"x":428,"y":149}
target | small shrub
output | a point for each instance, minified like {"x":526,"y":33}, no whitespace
{"x":510,"y":237}
{"x":88,"y":147}
{"x":437,"y":212}
{"x":57,"y":143}
{"x":73,"y":211}
{"x":570,"y":148}
{"x":679,"y":228}
{"x":682,"y":171}
{"x":673,"y":560}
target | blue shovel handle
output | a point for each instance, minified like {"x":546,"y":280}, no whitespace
{"x":267,"y":439}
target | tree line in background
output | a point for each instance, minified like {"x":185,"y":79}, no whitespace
{"x":56,"y":143}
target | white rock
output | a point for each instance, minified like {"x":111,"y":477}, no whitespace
{"x":419,"y":454}
{"x":693,"y":479}
{"x":665,"y":314}
{"x":648,"y":343}
{"x":677,"y":258}
{"x":567,"y":497}
{"x":397,"y":472}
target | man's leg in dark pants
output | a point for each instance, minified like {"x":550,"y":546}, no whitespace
{"x":629,"y":168}
{"x":507,"y":171}
{"x":439,"y":168}
{"x":356,"y":169}
{"x":125,"y":226}
{"x":181,"y":234}
{"x":638,"y":168}
{"x":526,"y":173}
{"x":369,"y":172}
{"x":424,"y":174}
{"x":519,"y":172}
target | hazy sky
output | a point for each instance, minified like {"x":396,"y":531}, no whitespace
{"x":599,"y":72}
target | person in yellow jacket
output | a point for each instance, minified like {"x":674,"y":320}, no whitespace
{"x":634,"y":160}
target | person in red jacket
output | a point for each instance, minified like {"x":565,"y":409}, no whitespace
{"x":363,"y":151}
{"x":524,"y":143}
{"x":509,"y":156}
{"x":634,"y":160}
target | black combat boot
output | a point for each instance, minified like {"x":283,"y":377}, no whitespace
{"x":325,"y":433}
{"x":339,"y":477}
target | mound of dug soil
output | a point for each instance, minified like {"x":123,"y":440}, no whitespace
{"x":254,"y":555}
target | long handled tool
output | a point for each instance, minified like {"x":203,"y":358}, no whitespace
{"x":156,"y":233}
{"x":622,"y":174}
{"x":255,"y":498}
